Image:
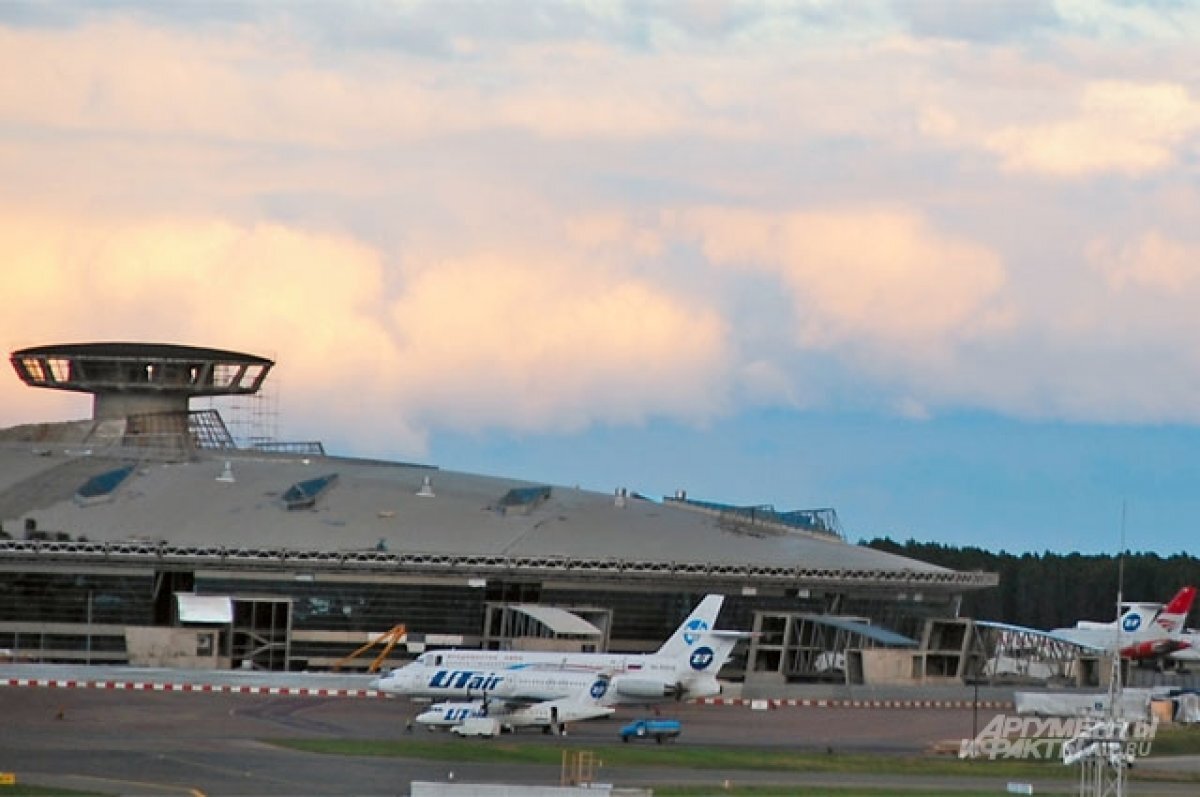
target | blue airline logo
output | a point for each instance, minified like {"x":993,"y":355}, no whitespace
{"x":1132,"y":623}
{"x":465,"y":679}
{"x":458,"y":714}
{"x":599,"y":688}
{"x":692,"y":629}
{"x":701,"y":658}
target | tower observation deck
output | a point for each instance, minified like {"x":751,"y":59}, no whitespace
{"x":128,"y":379}
{"x":146,"y":387}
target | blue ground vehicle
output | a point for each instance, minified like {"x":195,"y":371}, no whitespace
{"x":651,"y":728}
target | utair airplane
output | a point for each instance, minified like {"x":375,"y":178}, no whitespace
{"x":532,"y":688}
{"x":1143,"y":632}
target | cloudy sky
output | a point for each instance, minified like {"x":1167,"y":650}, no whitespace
{"x":935,"y":264}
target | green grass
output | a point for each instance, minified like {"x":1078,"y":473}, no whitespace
{"x":701,"y":758}
{"x":678,"y":757}
{"x":1169,"y":740}
{"x":809,"y":791}
{"x":1176,"y":740}
{"x":30,"y":790}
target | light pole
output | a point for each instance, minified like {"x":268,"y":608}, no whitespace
{"x":88,"y":649}
{"x":975,"y":711}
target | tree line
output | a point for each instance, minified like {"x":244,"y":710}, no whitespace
{"x":1050,"y":590}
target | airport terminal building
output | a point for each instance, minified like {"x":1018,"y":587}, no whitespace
{"x":145,"y":534}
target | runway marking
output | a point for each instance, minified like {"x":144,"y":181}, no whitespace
{"x":148,"y":784}
{"x":239,"y":773}
{"x":808,"y":702}
{"x":159,"y":686}
{"x":323,"y":691}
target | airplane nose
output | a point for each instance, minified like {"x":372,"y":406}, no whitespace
{"x":393,"y":681}
{"x":384,"y":683}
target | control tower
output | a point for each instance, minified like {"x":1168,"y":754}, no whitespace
{"x":146,"y":385}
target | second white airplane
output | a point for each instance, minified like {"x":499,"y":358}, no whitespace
{"x":1143,"y":632}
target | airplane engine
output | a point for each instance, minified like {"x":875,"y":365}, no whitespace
{"x":645,"y":688}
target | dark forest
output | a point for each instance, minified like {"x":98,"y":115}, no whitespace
{"x":1050,"y":590}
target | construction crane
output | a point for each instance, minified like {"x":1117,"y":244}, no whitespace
{"x":389,"y":639}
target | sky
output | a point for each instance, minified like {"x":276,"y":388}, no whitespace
{"x":934,"y":264}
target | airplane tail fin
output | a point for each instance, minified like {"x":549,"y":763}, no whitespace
{"x":702,"y":618}
{"x":1174,"y":614}
{"x":722,"y":644}
{"x":696,"y":674}
{"x":1136,"y":617}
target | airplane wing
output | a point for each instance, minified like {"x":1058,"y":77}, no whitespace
{"x":513,"y":713}
{"x":572,"y":708}
{"x":549,"y":713}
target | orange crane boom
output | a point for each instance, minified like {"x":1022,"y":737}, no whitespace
{"x":389,"y":639}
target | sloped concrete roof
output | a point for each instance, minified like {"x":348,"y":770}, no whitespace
{"x":375,"y":506}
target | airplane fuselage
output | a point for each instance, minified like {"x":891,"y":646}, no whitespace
{"x":421,"y":681}
{"x":645,"y":682}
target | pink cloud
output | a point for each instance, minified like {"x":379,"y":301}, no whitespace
{"x":532,"y":340}
{"x":882,"y":278}
{"x":512,"y":339}
{"x":1153,"y":262}
{"x":1122,"y":127}
{"x":301,"y":298}
{"x":505,"y":210}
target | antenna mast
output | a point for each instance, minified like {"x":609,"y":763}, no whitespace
{"x":1102,"y":745}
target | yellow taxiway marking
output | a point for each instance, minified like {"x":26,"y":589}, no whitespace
{"x":146,"y":784}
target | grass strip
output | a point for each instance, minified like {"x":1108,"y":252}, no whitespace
{"x":812,"y":791}
{"x":1176,"y":740}
{"x":703,"y":758}
{"x":32,"y":790}
{"x":678,"y":757}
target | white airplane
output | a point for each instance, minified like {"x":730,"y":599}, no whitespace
{"x":1143,"y":632}
{"x":551,"y":686}
{"x":1146,"y":631}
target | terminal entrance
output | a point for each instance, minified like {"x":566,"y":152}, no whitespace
{"x":260,"y":635}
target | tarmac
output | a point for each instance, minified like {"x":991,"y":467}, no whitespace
{"x":206,"y":734}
